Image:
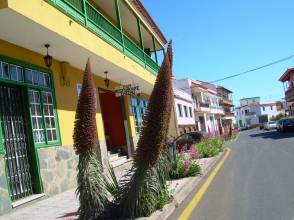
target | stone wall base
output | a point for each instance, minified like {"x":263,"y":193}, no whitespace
{"x":5,"y":201}
{"x":58,"y":169}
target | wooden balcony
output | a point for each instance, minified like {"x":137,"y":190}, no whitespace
{"x":226,"y":102}
{"x":289,"y":94}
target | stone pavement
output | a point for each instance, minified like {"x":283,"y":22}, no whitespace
{"x":62,"y":206}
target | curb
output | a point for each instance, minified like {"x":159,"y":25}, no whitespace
{"x":184,"y":192}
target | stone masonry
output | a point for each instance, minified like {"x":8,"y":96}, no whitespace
{"x":58,"y":169}
{"x":5,"y":202}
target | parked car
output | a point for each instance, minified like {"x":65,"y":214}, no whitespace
{"x":285,"y":124}
{"x":243,"y":128}
{"x":270,"y":125}
{"x":188,"y":139}
{"x":262,"y":125}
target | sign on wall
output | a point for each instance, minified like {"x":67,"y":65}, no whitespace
{"x":130,"y":89}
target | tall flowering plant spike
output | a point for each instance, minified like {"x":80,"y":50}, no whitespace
{"x":141,"y":187}
{"x":155,"y":125}
{"x":85,"y":131}
{"x":91,"y":190}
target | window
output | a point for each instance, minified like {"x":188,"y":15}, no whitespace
{"x":263,"y":108}
{"x":37,"y":81}
{"x":37,"y":78}
{"x":271,"y":107}
{"x":180,"y":110}
{"x":190,"y":110}
{"x":186,"y":111}
{"x":139,"y":107}
{"x":11,"y":72}
{"x":43,"y":117}
{"x":48,"y":110}
{"x":37,"y":119}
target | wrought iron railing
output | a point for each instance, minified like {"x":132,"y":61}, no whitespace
{"x":204,"y":105}
{"x":86,"y":14}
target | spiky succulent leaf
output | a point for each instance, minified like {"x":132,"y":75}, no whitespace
{"x":91,"y":189}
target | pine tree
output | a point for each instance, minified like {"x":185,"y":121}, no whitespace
{"x":91,"y":189}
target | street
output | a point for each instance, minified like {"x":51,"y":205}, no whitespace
{"x":255,"y":183}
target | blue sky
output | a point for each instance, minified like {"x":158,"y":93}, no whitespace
{"x":213,"y":39}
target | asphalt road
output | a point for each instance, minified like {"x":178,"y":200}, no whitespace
{"x":256,"y":182}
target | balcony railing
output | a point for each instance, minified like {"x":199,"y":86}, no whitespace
{"x":226,"y":102}
{"x":250,"y":113}
{"x":86,"y":14}
{"x":204,"y":105}
{"x":289,"y":94}
{"x":229,"y":114}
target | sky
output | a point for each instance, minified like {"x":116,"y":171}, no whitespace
{"x":213,"y":39}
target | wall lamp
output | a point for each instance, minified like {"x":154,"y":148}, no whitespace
{"x":106,"y":80}
{"x":48,"y":59}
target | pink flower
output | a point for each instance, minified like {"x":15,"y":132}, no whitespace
{"x":194,"y":154}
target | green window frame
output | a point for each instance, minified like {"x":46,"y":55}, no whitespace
{"x":41,"y":101}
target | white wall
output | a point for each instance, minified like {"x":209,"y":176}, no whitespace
{"x":184,"y":99}
{"x":260,"y":109}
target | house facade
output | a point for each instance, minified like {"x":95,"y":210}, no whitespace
{"x":255,"y":113}
{"x":184,"y":106}
{"x":288,"y":82}
{"x":210,"y":103}
{"x":226,"y":102}
{"x":38,"y":99}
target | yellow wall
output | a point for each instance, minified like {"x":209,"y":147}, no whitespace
{"x":3,"y":4}
{"x":66,"y":93}
{"x":51,"y":18}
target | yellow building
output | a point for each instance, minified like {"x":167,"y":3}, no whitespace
{"x":38,"y":100}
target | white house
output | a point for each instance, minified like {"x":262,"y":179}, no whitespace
{"x":206,"y":103}
{"x":255,"y":113}
{"x":184,"y":107}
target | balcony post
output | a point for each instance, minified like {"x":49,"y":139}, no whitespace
{"x":153,"y":40}
{"x":141,"y":39}
{"x":118,"y":17}
{"x":85,"y":12}
{"x":140,"y":33}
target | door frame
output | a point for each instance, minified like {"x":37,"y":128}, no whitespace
{"x":25,"y":86}
{"x":31,"y":149}
{"x":124,"y":117}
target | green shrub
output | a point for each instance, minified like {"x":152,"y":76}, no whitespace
{"x":194,"y":169}
{"x":165,"y":197}
{"x":217,"y":143}
{"x":210,"y":147}
{"x":177,"y":170}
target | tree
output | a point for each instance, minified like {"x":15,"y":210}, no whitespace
{"x":91,"y":189}
{"x":139,"y":194}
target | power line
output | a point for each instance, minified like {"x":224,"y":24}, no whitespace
{"x":254,"y":69}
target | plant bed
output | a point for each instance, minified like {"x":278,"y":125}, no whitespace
{"x":182,"y":188}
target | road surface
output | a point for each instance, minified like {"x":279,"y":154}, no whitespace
{"x":256,"y":182}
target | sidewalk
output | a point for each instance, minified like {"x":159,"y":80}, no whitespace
{"x":62,"y":206}
{"x":65,"y":205}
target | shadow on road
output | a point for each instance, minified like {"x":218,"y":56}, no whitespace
{"x":273,"y":135}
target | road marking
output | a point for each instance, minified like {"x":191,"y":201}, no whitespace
{"x":197,"y":198}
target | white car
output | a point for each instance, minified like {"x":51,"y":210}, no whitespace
{"x":270,"y":125}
